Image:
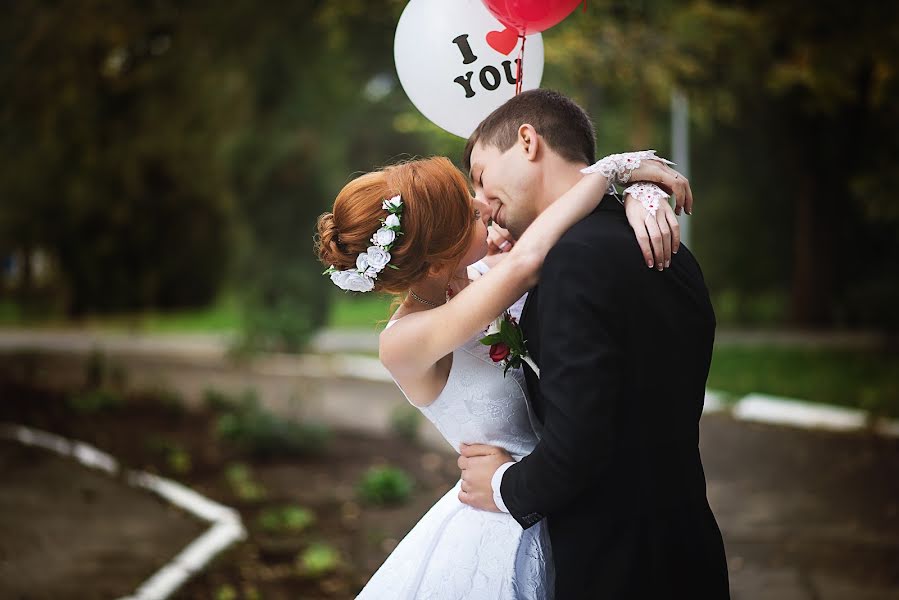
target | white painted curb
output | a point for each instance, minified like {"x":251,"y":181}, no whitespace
{"x":786,"y":411}
{"x":790,"y":412}
{"x":226,"y":525}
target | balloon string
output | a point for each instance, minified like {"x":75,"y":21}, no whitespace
{"x":520,"y":71}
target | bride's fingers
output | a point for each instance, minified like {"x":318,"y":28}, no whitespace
{"x":645,"y":246}
{"x":655,"y":237}
{"x":682,"y":193}
{"x":462,"y":462}
{"x":678,"y":186}
{"x":665,"y":230}
{"x":470,"y":450}
{"x":675,"y":228}
{"x":636,"y":216}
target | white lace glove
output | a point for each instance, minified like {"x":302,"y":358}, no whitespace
{"x":618,"y":167}
{"x":650,"y":196}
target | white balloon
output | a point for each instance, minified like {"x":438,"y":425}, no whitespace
{"x":447,"y":68}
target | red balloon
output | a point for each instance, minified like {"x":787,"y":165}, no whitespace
{"x":530,"y":16}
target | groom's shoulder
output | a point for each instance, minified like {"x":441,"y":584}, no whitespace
{"x":600,"y":231}
{"x":609,"y":249}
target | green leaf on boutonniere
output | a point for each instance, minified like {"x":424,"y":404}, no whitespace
{"x":489,"y":340}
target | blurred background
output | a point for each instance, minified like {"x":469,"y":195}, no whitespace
{"x":162,"y":165}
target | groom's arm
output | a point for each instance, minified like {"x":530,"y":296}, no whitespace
{"x":580,"y":321}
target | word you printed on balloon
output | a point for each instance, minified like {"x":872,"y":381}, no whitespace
{"x":489,"y":77}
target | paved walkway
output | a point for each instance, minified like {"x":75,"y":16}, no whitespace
{"x":805,"y":515}
{"x":365,"y":341}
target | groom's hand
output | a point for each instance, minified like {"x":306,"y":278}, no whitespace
{"x":478,"y":464}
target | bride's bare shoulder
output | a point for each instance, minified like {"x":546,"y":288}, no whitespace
{"x":399,"y":338}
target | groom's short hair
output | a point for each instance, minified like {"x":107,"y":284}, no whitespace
{"x":565,"y":126}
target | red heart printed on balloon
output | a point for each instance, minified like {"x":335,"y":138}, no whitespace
{"x":503,"y":41}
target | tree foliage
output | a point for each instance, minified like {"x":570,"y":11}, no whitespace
{"x":160,"y":150}
{"x":795,"y":131}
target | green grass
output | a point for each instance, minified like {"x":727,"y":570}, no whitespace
{"x":858,"y":379}
{"x":363,"y":311}
{"x":348,"y":312}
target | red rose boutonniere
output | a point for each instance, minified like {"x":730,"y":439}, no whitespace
{"x":507,"y":344}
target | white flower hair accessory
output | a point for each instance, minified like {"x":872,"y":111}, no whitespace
{"x":376,"y":257}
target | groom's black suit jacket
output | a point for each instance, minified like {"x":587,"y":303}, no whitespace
{"x":624,"y":354}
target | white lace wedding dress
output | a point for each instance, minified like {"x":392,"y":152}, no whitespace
{"x":457,"y":552}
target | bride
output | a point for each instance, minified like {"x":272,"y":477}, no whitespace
{"x":411,"y":229}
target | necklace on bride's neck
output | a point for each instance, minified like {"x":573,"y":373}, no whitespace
{"x":423,"y":301}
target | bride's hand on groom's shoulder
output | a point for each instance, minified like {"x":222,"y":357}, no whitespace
{"x":654,"y":223}
{"x":675,"y":184}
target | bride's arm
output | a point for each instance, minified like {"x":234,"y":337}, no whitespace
{"x":414,"y":345}
{"x":419,"y":340}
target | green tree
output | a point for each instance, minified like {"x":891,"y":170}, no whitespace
{"x":110,"y":132}
{"x":794,"y":134}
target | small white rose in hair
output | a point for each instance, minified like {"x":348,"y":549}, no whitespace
{"x":392,"y":221}
{"x":384,"y":237}
{"x":362,"y":262}
{"x":377,"y":258}
{"x":394,"y":202}
{"x":352,"y":281}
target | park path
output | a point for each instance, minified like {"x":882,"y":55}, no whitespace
{"x":365,"y":341}
{"x":806,"y":515}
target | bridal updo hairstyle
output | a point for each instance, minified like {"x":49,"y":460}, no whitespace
{"x":437,"y":221}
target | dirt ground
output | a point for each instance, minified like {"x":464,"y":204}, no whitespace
{"x":116,"y":537}
{"x":69,"y":531}
{"x":805,"y":515}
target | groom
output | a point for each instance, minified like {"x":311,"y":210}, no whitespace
{"x":623,"y":353}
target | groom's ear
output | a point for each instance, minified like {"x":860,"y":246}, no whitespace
{"x":529,"y":141}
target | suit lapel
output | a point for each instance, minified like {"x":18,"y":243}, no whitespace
{"x":529,"y":330}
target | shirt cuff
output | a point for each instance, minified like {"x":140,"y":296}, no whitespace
{"x":496,"y":484}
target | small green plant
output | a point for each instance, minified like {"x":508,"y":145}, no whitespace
{"x":250,"y":592}
{"x":317,"y":560}
{"x":225,"y":592}
{"x":170,"y":398}
{"x":95,"y":369}
{"x":118,"y":376}
{"x":179,"y":460}
{"x":264,"y":434}
{"x":96,"y":400}
{"x":385,"y":485}
{"x":240,"y":478}
{"x":290,"y":518}
{"x":216,"y":400}
{"x":404,"y":421}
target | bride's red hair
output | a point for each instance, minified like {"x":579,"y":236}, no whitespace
{"x":437,"y":220}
